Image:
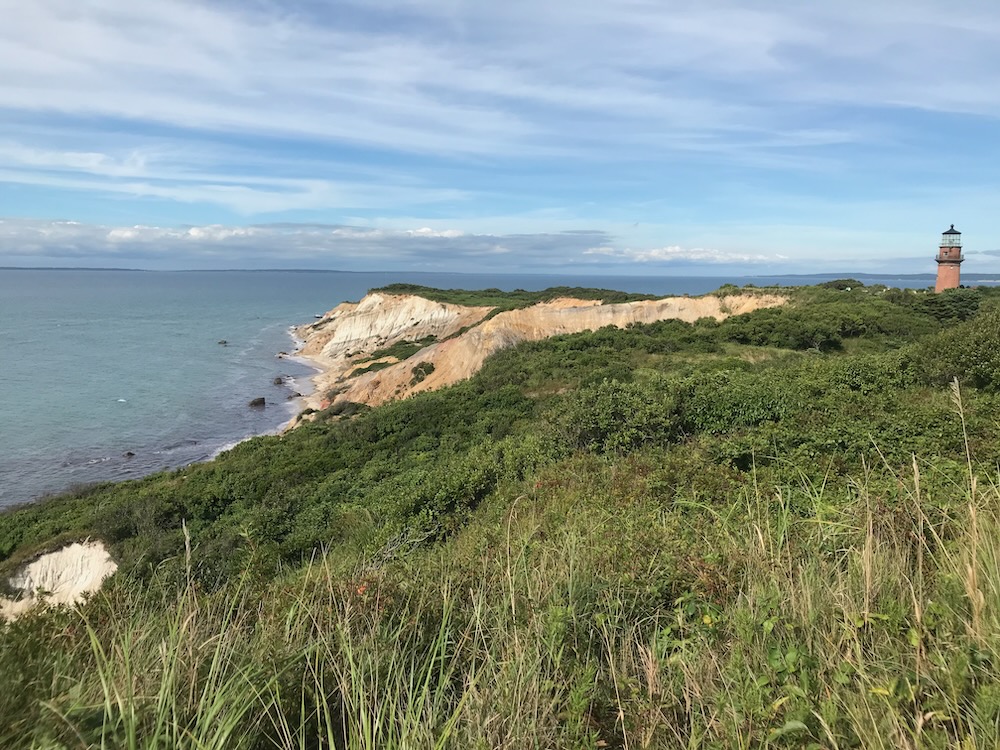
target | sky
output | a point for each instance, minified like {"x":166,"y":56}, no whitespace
{"x":707,"y":137}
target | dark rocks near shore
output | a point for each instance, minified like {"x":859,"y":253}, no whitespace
{"x":280,"y":380}
{"x":257,"y":403}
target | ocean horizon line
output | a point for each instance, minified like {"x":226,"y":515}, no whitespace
{"x":822,"y":275}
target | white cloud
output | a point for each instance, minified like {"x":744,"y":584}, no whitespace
{"x":31,"y":242}
{"x":675,"y":253}
{"x":428,"y":232}
{"x":26,"y":242}
{"x":91,"y":162}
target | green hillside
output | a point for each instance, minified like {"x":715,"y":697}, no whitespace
{"x":782,"y":530}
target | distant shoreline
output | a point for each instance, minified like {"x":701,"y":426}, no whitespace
{"x":929,"y":276}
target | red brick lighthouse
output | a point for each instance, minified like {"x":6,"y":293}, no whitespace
{"x":949,"y":259}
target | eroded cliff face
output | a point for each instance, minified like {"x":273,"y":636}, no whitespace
{"x":379,"y":321}
{"x":350,"y":333}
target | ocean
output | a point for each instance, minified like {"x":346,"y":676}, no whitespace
{"x":112,"y":375}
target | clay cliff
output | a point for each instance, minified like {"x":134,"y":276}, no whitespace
{"x":379,"y":321}
{"x":343,"y":341}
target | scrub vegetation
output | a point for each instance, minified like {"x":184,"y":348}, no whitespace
{"x":781,"y":530}
{"x":401,"y":350}
{"x":502,"y":300}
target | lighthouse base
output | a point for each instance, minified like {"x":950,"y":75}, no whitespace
{"x":948,"y":277}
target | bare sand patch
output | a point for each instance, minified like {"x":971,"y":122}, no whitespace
{"x":63,"y":576}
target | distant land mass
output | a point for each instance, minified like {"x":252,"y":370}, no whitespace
{"x":929,"y":276}
{"x":68,"y":268}
{"x":968,"y":279}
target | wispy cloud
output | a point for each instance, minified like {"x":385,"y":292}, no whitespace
{"x":199,"y":178}
{"x":676,"y":253}
{"x":607,"y":113}
{"x":476,"y":78}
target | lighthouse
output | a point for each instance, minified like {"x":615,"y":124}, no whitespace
{"x":949,"y":259}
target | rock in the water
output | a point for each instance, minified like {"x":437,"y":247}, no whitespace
{"x":223,"y":342}
{"x":296,"y":394}
{"x":258,"y":403}
{"x":128,"y":454}
{"x":280,"y":380}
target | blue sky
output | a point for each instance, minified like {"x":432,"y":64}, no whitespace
{"x":614,"y":136}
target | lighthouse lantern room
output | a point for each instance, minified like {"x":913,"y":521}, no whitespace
{"x":949,"y":260}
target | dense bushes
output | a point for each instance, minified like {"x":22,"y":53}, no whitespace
{"x":614,"y":417}
{"x":969,"y":351}
{"x":825,"y":325}
{"x":280,"y":499}
{"x":953,"y":305}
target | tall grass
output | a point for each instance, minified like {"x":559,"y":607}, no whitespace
{"x":592,"y":611}
{"x":150,"y":676}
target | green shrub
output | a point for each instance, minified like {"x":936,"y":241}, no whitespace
{"x":420,"y":372}
{"x":968,"y":351}
{"x":615,"y":417}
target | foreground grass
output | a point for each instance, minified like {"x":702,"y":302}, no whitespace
{"x":586,"y":610}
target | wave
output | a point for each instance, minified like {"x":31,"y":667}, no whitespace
{"x":75,"y":462}
{"x":228,"y":447}
{"x":186,"y":443}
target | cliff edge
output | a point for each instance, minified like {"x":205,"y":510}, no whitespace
{"x":389,"y":347}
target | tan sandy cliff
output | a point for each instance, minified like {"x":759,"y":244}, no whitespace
{"x":350,"y":333}
{"x":379,"y":321}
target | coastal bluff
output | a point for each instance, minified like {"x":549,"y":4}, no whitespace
{"x":360,"y":348}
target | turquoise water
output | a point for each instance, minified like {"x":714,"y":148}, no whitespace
{"x":98,"y":364}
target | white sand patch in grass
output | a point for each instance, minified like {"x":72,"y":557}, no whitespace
{"x":60,"y":577}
